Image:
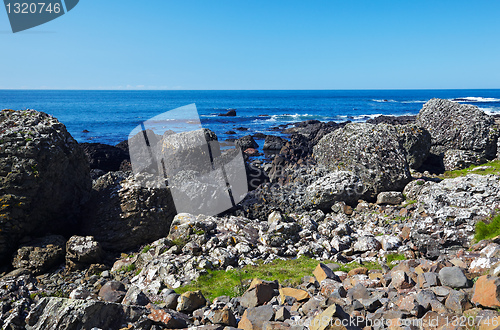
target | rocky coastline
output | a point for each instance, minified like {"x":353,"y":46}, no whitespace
{"x":363,"y":211}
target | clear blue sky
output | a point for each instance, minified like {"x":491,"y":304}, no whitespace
{"x":253,"y":44}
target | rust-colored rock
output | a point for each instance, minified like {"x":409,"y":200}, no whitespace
{"x":487,"y":291}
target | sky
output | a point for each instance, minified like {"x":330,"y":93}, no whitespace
{"x":254,"y":44}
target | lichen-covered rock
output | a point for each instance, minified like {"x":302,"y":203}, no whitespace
{"x":44,"y":177}
{"x":390,"y":197}
{"x":459,"y":159}
{"x":372,"y":152}
{"x":41,"y":254}
{"x":123,"y":214}
{"x":66,"y":314}
{"x":458,"y":126}
{"x":81,"y":251}
{"x":416,"y":141}
{"x":333,"y":187}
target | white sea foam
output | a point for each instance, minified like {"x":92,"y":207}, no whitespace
{"x":475,"y":99}
{"x":383,"y":101}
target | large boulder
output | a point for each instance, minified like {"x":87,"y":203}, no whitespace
{"x":104,"y":157}
{"x":44,"y":177}
{"x":458,"y":126}
{"x":459,"y":159}
{"x":123,"y":214}
{"x":41,"y":254}
{"x":372,"y":152}
{"x":416,"y":141}
{"x":246,"y":142}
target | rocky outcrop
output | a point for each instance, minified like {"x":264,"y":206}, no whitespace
{"x":416,"y":141}
{"x":123,"y":214}
{"x":229,"y":113}
{"x":372,"y":152}
{"x":82,"y":251}
{"x":458,"y":126}
{"x":104,"y":157}
{"x":246,"y":142}
{"x":41,"y":254}
{"x":459,"y":159}
{"x":393,"y":120}
{"x":44,"y":177}
{"x":273,"y":142}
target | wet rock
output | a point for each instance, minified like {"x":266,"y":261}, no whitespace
{"x":246,"y":142}
{"x":453,"y":277}
{"x":229,"y":113}
{"x":372,"y":152}
{"x":45,"y":178}
{"x":113,"y":291}
{"x":458,"y":126}
{"x":459,"y":159}
{"x":81,"y":251}
{"x":390,"y":197}
{"x":273,"y":142}
{"x":40,"y":255}
{"x":190,"y":301}
{"x":123,"y":215}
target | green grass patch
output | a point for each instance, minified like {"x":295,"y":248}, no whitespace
{"x":487,"y":230}
{"x":234,"y":282}
{"x":494,"y":169}
{"x":395,"y":256}
{"x":146,"y":248}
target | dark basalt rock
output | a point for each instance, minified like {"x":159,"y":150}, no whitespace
{"x":44,"y":177}
{"x":246,"y":142}
{"x":104,"y":157}
{"x":230,"y":113}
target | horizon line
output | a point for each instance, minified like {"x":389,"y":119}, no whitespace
{"x":206,"y":90}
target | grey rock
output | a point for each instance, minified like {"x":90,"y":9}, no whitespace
{"x":273,"y":142}
{"x":458,"y":126}
{"x":390,"y":197}
{"x":459,"y":159}
{"x":190,"y":301}
{"x":367,"y":243}
{"x":44,"y":177}
{"x":81,"y":251}
{"x":259,"y":294}
{"x":113,"y":291}
{"x":416,"y":141}
{"x":334,"y":187}
{"x":453,"y":277}
{"x":256,"y":316}
{"x":135,"y":296}
{"x":372,"y":152}
{"x":41,"y":254}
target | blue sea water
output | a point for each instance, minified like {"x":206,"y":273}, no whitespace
{"x":110,"y":116}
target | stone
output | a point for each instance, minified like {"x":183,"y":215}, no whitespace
{"x":459,"y":159}
{"x":171,"y":301}
{"x":259,"y":293}
{"x":104,"y":157}
{"x":273,"y":142}
{"x":322,"y":272}
{"x":334,"y":187}
{"x":80,"y":293}
{"x":282,"y":314}
{"x":135,"y":296}
{"x":331,"y":318}
{"x":229,"y":113}
{"x":40,"y":255}
{"x":416,"y":141}
{"x":427,"y":280}
{"x":190,"y":301}
{"x":66,"y":314}
{"x":367,"y":243}
{"x":298,"y":294}
{"x":246,"y":142}
{"x":357,"y":292}
{"x":168,"y":318}
{"x":457,"y":302}
{"x":224,"y":317}
{"x":358,"y":271}
{"x":487,"y":291}
{"x":453,"y":277}
{"x":44,"y":178}
{"x":390,"y":197}
{"x":401,"y":280}
{"x":458,"y":126}
{"x":372,"y":152}
{"x":122,"y":214}
{"x":81,"y":251}
{"x":253,"y":318}
{"x":113,"y":291}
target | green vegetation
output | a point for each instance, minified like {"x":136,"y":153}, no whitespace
{"x":234,"y":282}
{"x":395,"y":256}
{"x":494,"y":169}
{"x":487,"y":230}
{"x":40,"y":294}
{"x":180,"y":241}
{"x":129,"y":268}
{"x":146,"y":248}
{"x":410,"y":202}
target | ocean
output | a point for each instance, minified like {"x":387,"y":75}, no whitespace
{"x":109,"y":116}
